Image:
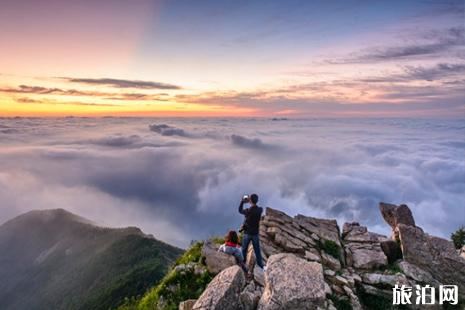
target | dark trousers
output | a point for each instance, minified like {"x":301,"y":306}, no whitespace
{"x":256,"y":247}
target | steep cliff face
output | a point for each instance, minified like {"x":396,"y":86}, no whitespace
{"x":312,"y":264}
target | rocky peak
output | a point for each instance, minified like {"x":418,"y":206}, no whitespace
{"x":311,"y":265}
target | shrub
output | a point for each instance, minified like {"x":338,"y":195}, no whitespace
{"x":330,"y":247}
{"x":458,"y":238}
{"x":193,"y":254}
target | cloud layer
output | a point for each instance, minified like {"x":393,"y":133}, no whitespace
{"x":181,"y":179}
{"x":119,"y":83}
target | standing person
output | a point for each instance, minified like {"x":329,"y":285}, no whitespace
{"x":251,"y":226}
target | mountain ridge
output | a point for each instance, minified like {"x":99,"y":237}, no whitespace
{"x":56,"y":259}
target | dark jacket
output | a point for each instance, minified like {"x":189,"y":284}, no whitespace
{"x":252,"y":219}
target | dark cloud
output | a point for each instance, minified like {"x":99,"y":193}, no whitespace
{"x":254,"y":143}
{"x":432,"y":43}
{"x":123,"y":141}
{"x":25,"y":89}
{"x":166,"y":130}
{"x":119,"y":83}
{"x":27,"y":100}
{"x":39,"y":90}
{"x":437,"y":72}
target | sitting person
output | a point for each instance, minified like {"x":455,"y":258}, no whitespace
{"x":231,"y":246}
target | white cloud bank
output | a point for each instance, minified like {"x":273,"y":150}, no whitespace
{"x":118,"y":172}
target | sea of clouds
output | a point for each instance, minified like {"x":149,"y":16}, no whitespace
{"x":182,"y":179}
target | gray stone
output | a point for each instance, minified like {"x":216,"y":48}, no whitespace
{"x":329,"y":272}
{"x":313,"y":255}
{"x":392,"y":250}
{"x":353,"y":232}
{"x":249,"y":297}
{"x":259,"y":275}
{"x":377,"y":292}
{"x":292,"y":283}
{"x":395,"y":215}
{"x":187,"y":304}
{"x":339,"y":280}
{"x":216,"y":261}
{"x":354,"y":301}
{"x":365,"y":256}
{"x":416,"y":273}
{"x":330,"y":261}
{"x":384,"y":279}
{"x":323,"y":228}
{"x":435,"y":255}
{"x":223,"y":292}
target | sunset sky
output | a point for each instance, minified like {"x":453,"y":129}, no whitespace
{"x":232,"y":58}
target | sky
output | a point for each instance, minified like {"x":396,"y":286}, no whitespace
{"x":232,"y":58}
{"x":182,"y":179}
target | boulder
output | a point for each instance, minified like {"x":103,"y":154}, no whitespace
{"x":365,"y":256}
{"x":354,"y":301}
{"x":384,"y":279}
{"x":323,"y":228}
{"x":392,"y":250}
{"x":249,"y":297}
{"x":187,"y":304}
{"x":330,"y":261}
{"x":353,"y":232}
{"x":292,"y":283}
{"x":259,"y":276}
{"x":433,"y":254}
{"x":363,"y":248}
{"x":223,"y":292}
{"x":395,"y":215}
{"x":214,"y":260}
{"x":313,"y":255}
{"x":416,"y":273}
{"x":371,"y":290}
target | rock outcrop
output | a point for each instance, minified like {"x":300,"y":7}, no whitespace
{"x":427,"y":259}
{"x":223,"y":291}
{"x":216,"y":261}
{"x":433,"y":254}
{"x":312,"y":265}
{"x":395,"y":215}
{"x":363,"y":248}
{"x":292,"y":283}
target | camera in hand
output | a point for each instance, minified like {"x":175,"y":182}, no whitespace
{"x":245,"y":198}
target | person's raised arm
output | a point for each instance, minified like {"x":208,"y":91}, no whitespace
{"x":241,"y":207}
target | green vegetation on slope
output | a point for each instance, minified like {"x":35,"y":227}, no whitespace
{"x":458,"y":238}
{"x":186,"y":280}
{"x":128,"y":268}
{"x":55,"y":260}
{"x":330,"y":247}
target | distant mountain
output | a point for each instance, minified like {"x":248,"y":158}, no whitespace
{"x":53,"y":259}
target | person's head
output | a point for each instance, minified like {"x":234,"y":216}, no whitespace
{"x":232,"y":237}
{"x":254,"y":199}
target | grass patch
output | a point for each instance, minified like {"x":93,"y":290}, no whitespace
{"x":193,"y":254}
{"x":218,"y":240}
{"x":340,"y":303}
{"x":330,"y":247}
{"x":175,"y":287}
